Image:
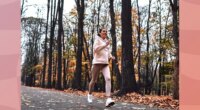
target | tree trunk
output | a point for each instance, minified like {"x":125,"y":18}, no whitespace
{"x":87,"y":59}
{"x":54,"y":63}
{"x":115,"y":68}
{"x":175,"y":9}
{"x":64,"y":62}
{"x":53,"y":23}
{"x":59,"y":42}
{"x":45,"y":46}
{"x":77,"y":76}
{"x":160,"y":49}
{"x":139,"y":46}
{"x":147,"y":56}
{"x":128,"y":75}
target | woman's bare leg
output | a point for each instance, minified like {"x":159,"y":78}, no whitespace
{"x":106,"y":74}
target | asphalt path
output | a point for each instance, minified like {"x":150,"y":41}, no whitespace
{"x":44,"y":99}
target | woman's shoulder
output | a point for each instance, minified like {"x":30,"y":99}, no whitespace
{"x":96,"y":37}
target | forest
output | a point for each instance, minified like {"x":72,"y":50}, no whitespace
{"x":57,"y":47}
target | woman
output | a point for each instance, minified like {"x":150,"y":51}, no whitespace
{"x":101,"y":52}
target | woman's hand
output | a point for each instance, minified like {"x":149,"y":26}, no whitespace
{"x":107,"y":43}
{"x":112,"y":57}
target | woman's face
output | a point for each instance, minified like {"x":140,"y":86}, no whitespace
{"x":103,"y":33}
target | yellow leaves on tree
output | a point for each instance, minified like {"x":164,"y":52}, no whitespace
{"x":73,"y":12}
{"x":38,"y":68}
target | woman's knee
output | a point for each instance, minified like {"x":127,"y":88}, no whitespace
{"x":108,"y":79}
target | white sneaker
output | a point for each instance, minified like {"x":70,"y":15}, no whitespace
{"x":109,"y":102}
{"x":90,"y":97}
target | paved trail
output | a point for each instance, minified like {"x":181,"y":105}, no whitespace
{"x":42,"y":99}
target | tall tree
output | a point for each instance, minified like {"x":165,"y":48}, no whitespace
{"x":128,"y":76}
{"x":59,"y":42}
{"x":77,"y":76}
{"x":53,"y":24}
{"x":139,"y":44}
{"x":175,"y":9}
{"x":88,"y":60}
{"x":45,"y":46}
{"x":54,"y":67}
{"x":147,"y":49}
{"x":115,"y":68}
{"x":160,"y":48}
{"x":64,"y":62}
